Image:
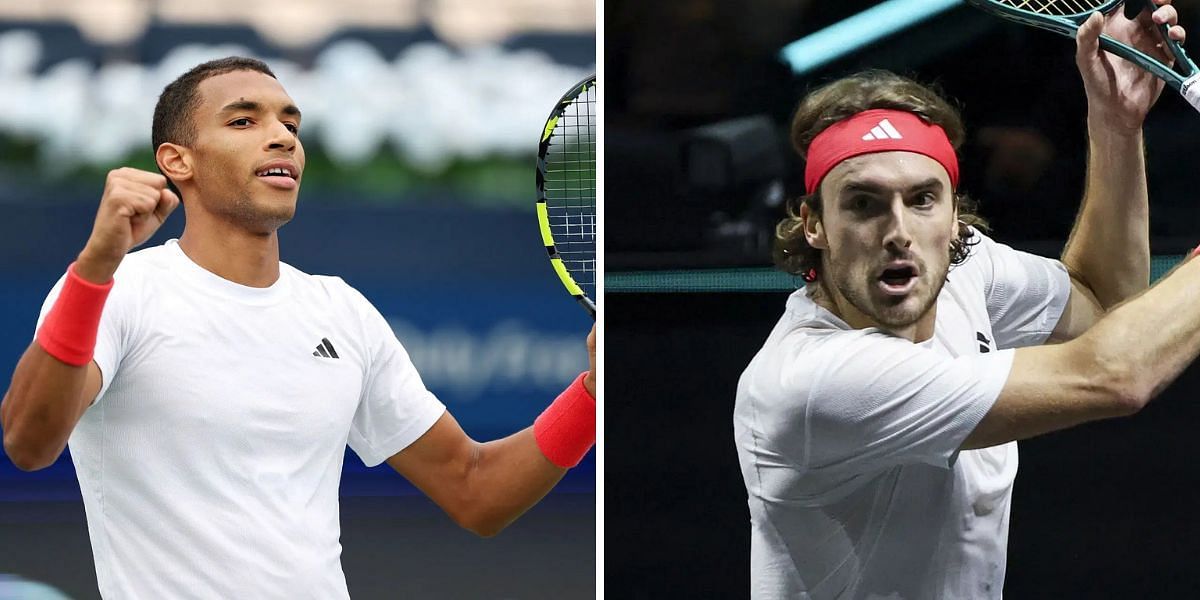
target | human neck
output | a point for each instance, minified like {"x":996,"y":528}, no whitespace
{"x":243,"y":257}
{"x":917,"y":332}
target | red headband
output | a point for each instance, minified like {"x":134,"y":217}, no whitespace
{"x":877,"y":130}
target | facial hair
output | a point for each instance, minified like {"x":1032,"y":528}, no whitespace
{"x":888,"y":315}
{"x":256,"y":218}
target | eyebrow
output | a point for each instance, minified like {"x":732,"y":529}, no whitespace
{"x":252,"y":106}
{"x":875,"y":188}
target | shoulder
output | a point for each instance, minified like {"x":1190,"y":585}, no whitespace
{"x":142,"y":267}
{"x":980,"y":251}
{"x":801,"y":357}
{"x":996,"y":259}
{"x":328,"y":290}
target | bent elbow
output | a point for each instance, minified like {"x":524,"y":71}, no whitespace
{"x":23,"y":452}
{"x":1130,"y":402}
{"x":486,"y":532}
{"x":1116,"y":388}
{"x":25,"y":458}
{"x":1127,"y":395}
{"x":480,"y":525}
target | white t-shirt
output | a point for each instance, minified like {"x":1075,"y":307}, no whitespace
{"x":210,"y":461}
{"x":848,"y":440}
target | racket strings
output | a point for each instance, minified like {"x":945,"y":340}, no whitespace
{"x":570,"y":188}
{"x":1060,"y":8}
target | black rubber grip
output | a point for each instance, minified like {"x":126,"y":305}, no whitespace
{"x":1133,"y":8}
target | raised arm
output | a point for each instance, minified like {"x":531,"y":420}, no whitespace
{"x":56,"y":380}
{"x":1108,"y":254}
{"x":485,"y":486}
{"x":1114,"y":369}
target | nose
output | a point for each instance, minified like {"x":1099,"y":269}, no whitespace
{"x":281,"y":138}
{"x":897,"y":235}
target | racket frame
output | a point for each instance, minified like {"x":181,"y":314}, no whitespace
{"x":543,"y":213}
{"x":1068,"y":25}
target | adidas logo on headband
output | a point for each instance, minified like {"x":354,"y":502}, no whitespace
{"x":844,"y":140}
{"x":883,"y":131}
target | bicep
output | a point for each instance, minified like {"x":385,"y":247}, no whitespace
{"x":1081,"y":312}
{"x":1048,"y":388}
{"x":439,"y":460}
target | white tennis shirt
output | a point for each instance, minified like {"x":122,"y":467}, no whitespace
{"x":848,"y":440}
{"x":210,"y":461}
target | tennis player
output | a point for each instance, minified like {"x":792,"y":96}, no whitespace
{"x":208,"y":390}
{"x":876,"y":428}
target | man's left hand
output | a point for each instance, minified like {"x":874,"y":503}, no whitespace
{"x":1120,"y":93}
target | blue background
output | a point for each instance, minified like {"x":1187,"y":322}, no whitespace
{"x":469,"y":286}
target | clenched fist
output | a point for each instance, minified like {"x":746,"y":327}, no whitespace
{"x":134,"y":205}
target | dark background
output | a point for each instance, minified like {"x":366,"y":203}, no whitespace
{"x":1104,"y":510}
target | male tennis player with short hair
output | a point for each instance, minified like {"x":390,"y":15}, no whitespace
{"x":207,"y":433}
{"x":876,"y":428}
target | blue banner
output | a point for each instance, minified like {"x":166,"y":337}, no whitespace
{"x":469,"y":293}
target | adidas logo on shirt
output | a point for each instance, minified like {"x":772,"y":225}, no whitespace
{"x":325,"y":349}
{"x":883,"y":131}
{"x":984,"y":343}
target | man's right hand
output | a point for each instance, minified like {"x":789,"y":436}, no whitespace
{"x":135,"y":204}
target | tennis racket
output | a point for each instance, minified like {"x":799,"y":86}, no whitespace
{"x":1065,"y":16}
{"x":566,"y":191}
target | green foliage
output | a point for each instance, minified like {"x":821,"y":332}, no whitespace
{"x":386,"y":178}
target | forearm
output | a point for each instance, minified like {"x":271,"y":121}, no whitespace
{"x":1114,"y":369}
{"x":41,"y":408}
{"x":1109,"y":247}
{"x":484,"y":487}
{"x":1153,"y":338}
{"x":507,"y":478}
{"x":51,"y":384}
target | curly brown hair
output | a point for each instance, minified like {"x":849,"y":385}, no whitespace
{"x":842,"y":99}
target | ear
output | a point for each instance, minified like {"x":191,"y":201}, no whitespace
{"x":814,"y":231}
{"x":174,"y":161}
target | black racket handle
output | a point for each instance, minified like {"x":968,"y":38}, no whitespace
{"x":1133,"y":8}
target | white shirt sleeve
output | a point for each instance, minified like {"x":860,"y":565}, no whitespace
{"x":395,"y":408}
{"x":1026,"y":294}
{"x":875,"y":401}
{"x":113,"y":334}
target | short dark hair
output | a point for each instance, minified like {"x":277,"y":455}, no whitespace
{"x":842,"y":99}
{"x":173,"y":122}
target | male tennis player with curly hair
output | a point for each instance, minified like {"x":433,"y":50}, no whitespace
{"x":207,"y":433}
{"x":876,"y":428}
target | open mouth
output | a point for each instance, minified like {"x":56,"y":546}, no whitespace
{"x":898,"y":280}
{"x":280,"y":176}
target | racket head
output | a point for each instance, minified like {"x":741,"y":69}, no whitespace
{"x":1065,"y":16}
{"x":566,"y":191}
{"x":1060,"y":16}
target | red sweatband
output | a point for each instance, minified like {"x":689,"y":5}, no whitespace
{"x":69,"y":331}
{"x":566,"y":430}
{"x":877,"y":130}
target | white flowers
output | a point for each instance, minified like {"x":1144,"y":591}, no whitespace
{"x":431,"y":105}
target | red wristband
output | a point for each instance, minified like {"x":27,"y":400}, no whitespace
{"x":566,"y":430}
{"x":1195,"y":252}
{"x":69,"y":331}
